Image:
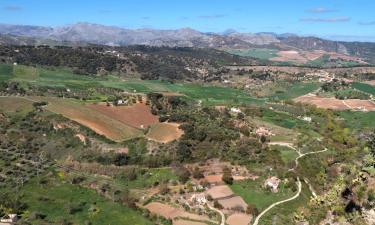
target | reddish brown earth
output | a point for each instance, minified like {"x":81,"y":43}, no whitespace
{"x":221,"y":191}
{"x":171,"y":212}
{"x":138,"y":115}
{"x":337,"y":104}
{"x":239,"y":219}
{"x":230,"y":203}
{"x":165,"y":132}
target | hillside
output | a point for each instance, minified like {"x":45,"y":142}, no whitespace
{"x":130,"y":61}
{"x":86,"y":33}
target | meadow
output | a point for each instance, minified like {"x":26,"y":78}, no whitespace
{"x":62,"y":202}
{"x":207,"y":94}
{"x":259,"y":53}
{"x":282,"y":214}
{"x":295,"y":90}
{"x":364,"y":87}
{"x":254,"y":193}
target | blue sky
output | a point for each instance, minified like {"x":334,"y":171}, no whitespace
{"x":339,"y":19}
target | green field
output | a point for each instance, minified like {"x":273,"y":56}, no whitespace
{"x":288,"y":155}
{"x":15,"y":105}
{"x":295,"y":90}
{"x":65,"y":202}
{"x":283,"y":214}
{"x":358,"y":120}
{"x":149,"y":178}
{"x":259,"y":53}
{"x":281,"y":119}
{"x":254,"y":193}
{"x":209,"y":95}
{"x":364,"y":87}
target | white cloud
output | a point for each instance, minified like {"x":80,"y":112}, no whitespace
{"x":326,"y":20}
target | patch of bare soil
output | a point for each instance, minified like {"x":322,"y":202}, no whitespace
{"x":165,"y":132}
{"x":187,"y":222}
{"x":370,"y":82}
{"x":289,"y":56}
{"x":235,"y":202}
{"x":221,"y":191}
{"x":239,"y":219}
{"x":138,"y":115}
{"x":337,"y":104}
{"x":171,"y":212}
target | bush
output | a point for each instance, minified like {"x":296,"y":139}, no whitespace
{"x":252,"y":209}
{"x":218,"y":205}
{"x":227,"y":176}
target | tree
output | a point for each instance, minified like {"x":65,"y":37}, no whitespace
{"x":227,"y":176}
{"x":197,"y":173}
{"x":218,"y":205}
{"x":183,"y":174}
{"x":163,"y":189}
{"x":252,"y":209}
{"x":183,"y":152}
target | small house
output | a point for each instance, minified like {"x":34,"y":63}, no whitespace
{"x":273,"y":183}
{"x":200,"y":198}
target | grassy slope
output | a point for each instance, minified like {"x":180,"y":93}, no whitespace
{"x":358,"y":120}
{"x":15,"y":105}
{"x":260,"y":53}
{"x":53,"y":199}
{"x":77,"y":111}
{"x":296,"y":90}
{"x":209,"y":95}
{"x":364,"y":87}
{"x":283,"y":214}
{"x":254,"y":193}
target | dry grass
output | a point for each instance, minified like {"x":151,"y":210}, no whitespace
{"x":337,"y":104}
{"x":164,"y":132}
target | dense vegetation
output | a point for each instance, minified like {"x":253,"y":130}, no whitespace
{"x":143,"y":61}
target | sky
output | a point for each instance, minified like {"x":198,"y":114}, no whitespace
{"x":333,"y":19}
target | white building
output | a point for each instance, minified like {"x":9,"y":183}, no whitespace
{"x":200,"y":198}
{"x":273,"y":183}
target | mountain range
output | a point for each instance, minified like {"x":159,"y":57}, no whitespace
{"x":87,"y":33}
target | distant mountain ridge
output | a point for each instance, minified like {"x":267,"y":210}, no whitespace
{"x":84,"y":33}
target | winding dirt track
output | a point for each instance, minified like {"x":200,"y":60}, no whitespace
{"x":256,"y":221}
{"x":300,"y":155}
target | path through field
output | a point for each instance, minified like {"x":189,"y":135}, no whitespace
{"x":280,"y":202}
{"x":220,"y":212}
{"x":300,"y":155}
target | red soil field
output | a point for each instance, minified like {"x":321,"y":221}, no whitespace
{"x":138,"y":115}
{"x":239,"y":219}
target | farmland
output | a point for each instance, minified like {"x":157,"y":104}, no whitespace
{"x":15,"y":105}
{"x":98,"y":122}
{"x":253,"y":193}
{"x":337,"y":104}
{"x":164,"y":132}
{"x":209,"y":95}
{"x":259,"y":53}
{"x":113,"y":148}
{"x":364,"y":87}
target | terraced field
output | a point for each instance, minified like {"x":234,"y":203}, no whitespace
{"x":93,"y":119}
